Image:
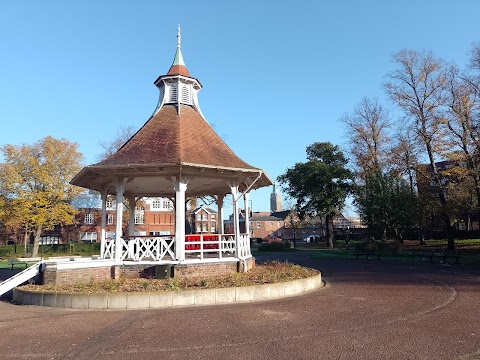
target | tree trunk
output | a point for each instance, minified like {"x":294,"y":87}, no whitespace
{"x":422,"y":236}
{"x":450,"y":240}
{"x":442,"y":197}
{"x":36,"y":241}
{"x":25,"y":241}
{"x":329,"y":225}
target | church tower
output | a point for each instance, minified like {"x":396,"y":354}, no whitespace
{"x":275,"y":200}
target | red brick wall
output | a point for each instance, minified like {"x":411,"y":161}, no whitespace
{"x":136,"y":271}
{"x":71,"y":276}
{"x":212,"y":269}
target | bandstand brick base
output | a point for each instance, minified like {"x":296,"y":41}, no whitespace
{"x":53,"y":275}
{"x":70,"y":276}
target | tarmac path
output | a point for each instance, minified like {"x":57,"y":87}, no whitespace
{"x":367,"y":310}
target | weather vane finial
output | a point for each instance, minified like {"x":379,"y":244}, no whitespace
{"x":179,"y":37}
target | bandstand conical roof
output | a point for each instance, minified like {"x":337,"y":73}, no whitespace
{"x":175,"y":141}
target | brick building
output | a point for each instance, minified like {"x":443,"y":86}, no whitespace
{"x":204,"y":220}
{"x":287,"y":226}
{"x":153,"y":216}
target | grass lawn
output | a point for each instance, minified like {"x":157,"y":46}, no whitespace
{"x":4,"y":264}
{"x":410,"y":250}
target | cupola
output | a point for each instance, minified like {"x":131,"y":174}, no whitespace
{"x":177,"y":86}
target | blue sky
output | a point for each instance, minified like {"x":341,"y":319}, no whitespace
{"x":276,"y":75}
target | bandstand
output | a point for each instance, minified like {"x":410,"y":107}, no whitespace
{"x":176,"y":155}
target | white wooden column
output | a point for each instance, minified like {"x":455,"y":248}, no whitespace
{"x":180,"y":184}
{"x":236,"y":222}
{"x":103,"y":224}
{"x":220,"y":227}
{"x":119,"y":220}
{"x":131,"y":215}
{"x":247,"y":214}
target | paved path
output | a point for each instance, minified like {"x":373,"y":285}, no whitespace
{"x":368,"y":310}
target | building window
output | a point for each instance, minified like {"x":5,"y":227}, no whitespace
{"x":205,"y":217}
{"x":88,"y":236}
{"x":110,"y":219}
{"x":167,"y":204}
{"x":199,"y":228}
{"x":212,"y":229}
{"x":139,"y":215}
{"x":49,"y":240}
{"x":258,"y":224}
{"x":110,"y":203}
{"x":213,"y":217}
{"x":89,"y":218}
{"x":271,"y":223}
{"x":199,"y":217}
{"x":157,"y":204}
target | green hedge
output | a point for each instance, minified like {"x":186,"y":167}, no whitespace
{"x":392,"y":247}
{"x":275,"y":246}
{"x":60,"y":249}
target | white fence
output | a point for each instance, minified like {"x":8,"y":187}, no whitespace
{"x":162,"y":248}
{"x":20,"y":278}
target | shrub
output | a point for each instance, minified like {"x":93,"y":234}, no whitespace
{"x":275,"y":246}
{"x":392,"y":247}
{"x":6,"y":251}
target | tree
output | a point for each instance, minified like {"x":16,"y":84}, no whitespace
{"x":463,"y":113}
{"x":404,"y":156}
{"x":123,"y":135}
{"x":418,"y":87}
{"x":386,"y":203}
{"x":474,"y":78}
{"x":320,"y":185}
{"x":35,"y":180}
{"x":367,"y":130}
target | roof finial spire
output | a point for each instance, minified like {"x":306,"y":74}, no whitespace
{"x":179,"y":37}
{"x":178,"y":60}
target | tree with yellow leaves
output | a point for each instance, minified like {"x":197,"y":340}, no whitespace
{"x":34,"y":181}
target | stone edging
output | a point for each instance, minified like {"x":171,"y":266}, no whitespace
{"x":167,"y":299}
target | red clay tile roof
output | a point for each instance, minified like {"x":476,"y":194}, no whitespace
{"x":178,"y":70}
{"x":171,"y":138}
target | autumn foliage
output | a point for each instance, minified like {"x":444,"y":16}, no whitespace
{"x":34,"y":185}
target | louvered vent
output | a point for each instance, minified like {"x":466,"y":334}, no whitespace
{"x":162,"y":92}
{"x":173,"y":93}
{"x":185,"y":94}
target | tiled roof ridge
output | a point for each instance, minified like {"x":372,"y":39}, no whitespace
{"x":177,"y":134}
{"x":211,"y":133}
{"x":181,"y":147}
{"x":179,"y":70}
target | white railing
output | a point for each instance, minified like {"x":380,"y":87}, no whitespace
{"x":156,"y":248}
{"x":244,"y":246}
{"x":213,"y":245}
{"x":109,"y":251}
{"x":20,"y":277}
{"x":202,"y":246}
